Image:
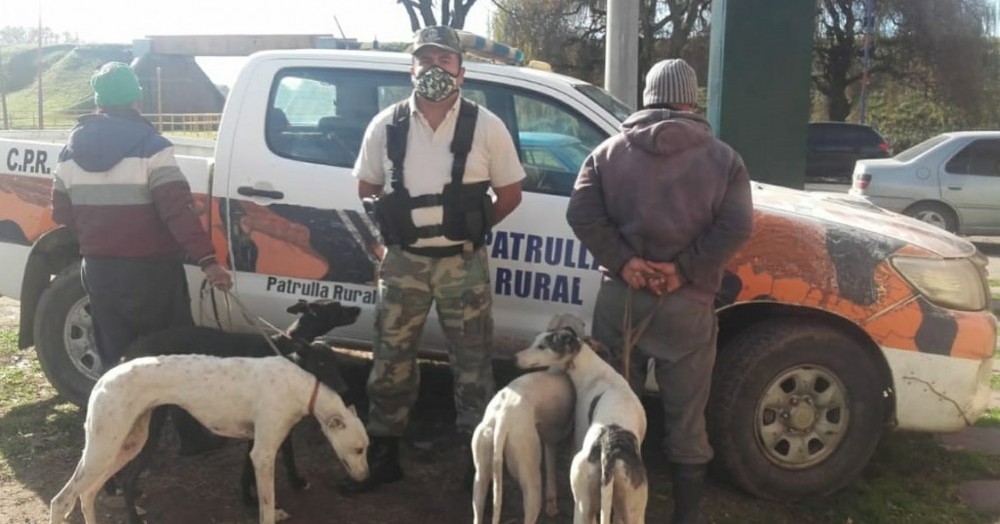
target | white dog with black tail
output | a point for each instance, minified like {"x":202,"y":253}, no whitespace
{"x":258,"y":398}
{"x":607,"y":475}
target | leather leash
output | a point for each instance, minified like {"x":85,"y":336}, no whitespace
{"x":633,"y":333}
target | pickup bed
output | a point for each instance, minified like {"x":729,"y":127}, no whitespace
{"x":837,"y":320}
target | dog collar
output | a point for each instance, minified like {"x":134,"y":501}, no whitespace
{"x":312,"y":397}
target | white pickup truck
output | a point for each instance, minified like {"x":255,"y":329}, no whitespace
{"x":837,"y":319}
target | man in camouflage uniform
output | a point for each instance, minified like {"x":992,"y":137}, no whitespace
{"x":452,"y":274}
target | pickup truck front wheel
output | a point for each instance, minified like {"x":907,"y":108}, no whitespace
{"x":64,"y":337}
{"x":796,"y":409}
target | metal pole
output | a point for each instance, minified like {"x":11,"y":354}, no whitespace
{"x":869,"y":26}
{"x":41,"y":103}
{"x":3,"y":95}
{"x":621,"y":57}
{"x":159,"y":100}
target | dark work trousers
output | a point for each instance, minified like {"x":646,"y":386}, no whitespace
{"x":681,"y":340}
{"x":131,"y":297}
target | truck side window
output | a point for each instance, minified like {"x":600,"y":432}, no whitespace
{"x":319,"y":115}
{"x":552,"y":139}
{"x":554,"y":142}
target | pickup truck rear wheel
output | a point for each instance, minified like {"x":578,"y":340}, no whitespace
{"x":796,"y":409}
{"x":64,"y":337}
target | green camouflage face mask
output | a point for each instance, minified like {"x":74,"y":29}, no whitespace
{"x":435,"y":84}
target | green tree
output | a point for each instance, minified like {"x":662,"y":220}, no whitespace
{"x":934,"y":44}
{"x":570,"y":34}
{"x":565,"y":33}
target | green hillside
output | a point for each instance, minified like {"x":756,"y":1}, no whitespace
{"x":66,"y":71}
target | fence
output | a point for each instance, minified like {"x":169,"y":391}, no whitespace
{"x":202,"y":125}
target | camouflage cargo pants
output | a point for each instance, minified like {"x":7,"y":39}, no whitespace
{"x":459,"y":286}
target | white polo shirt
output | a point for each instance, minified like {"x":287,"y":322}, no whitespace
{"x":427,"y":165}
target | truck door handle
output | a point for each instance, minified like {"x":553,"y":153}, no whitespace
{"x":955,"y":188}
{"x":254,"y":192}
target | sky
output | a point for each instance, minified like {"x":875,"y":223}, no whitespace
{"x":121,"y":21}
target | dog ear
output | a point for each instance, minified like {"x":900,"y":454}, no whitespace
{"x":298,"y":307}
{"x":568,"y":339}
{"x":335,"y":422}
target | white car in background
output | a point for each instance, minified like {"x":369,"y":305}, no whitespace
{"x":951,"y":181}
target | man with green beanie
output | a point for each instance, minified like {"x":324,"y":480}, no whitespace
{"x":118,"y":187}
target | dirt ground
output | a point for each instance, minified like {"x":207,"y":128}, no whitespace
{"x":205,"y":489}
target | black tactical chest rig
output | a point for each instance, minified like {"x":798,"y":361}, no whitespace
{"x":467,"y":207}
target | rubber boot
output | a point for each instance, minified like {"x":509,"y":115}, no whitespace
{"x":688,"y":486}
{"x":383,"y":467}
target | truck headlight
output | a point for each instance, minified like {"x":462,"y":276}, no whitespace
{"x":952,"y":283}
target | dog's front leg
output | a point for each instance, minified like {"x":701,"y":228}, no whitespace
{"x":262,"y":455}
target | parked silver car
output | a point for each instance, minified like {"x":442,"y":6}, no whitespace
{"x":951,"y":181}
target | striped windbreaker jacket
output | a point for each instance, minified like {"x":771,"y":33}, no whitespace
{"x":119,"y":187}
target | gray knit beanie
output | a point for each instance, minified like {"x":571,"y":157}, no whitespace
{"x":670,"y":81}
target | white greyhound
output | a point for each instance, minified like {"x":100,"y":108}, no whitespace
{"x":258,"y":398}
{"x":534,"y":410}
{"x":607,"y":473}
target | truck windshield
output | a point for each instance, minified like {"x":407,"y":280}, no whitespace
{"x":606,"y":100}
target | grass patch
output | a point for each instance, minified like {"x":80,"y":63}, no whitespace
{"x":910,"y":478}
{"x":990,"y":419}
{"x":33,"y":420}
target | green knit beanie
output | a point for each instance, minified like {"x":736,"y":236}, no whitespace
{"x":115,"y":84}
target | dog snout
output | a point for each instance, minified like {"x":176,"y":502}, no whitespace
{"x":525,"y":359}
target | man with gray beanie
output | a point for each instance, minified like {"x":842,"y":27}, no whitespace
{"x":663,"y":206}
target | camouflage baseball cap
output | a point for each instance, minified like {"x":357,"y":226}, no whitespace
{"x":438,"y":36}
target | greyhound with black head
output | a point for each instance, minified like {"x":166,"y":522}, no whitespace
{"x":313,"y":319}
{"x":607,"y":475}
{"x":223,"y":394}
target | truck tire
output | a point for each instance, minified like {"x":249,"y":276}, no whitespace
{"x":796,"y":409}
{"x":64,"y":337}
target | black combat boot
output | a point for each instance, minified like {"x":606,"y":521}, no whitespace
{"x":383,"y":466}
{"x":688,"y":485}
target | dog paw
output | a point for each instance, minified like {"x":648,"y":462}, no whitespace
{"x":280,"y":515}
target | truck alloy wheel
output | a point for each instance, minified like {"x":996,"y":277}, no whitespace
{"x":796,"y":410}
{"x":64,"y":337}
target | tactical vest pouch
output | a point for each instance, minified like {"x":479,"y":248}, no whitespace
{"x":393,"y":217}
{"x":468,"y":212}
